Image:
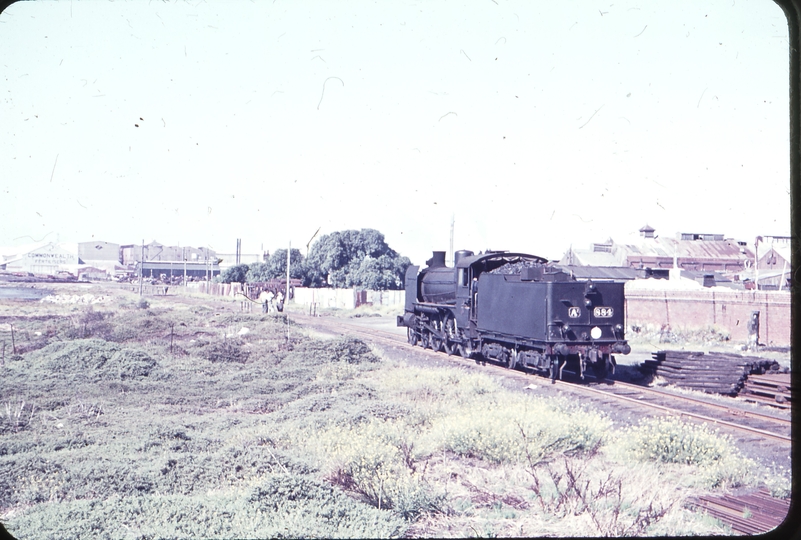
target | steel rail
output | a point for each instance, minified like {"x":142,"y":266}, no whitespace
{"x":725,"y":408}
{"x":399,"y":340}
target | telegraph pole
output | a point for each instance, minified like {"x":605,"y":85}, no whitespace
{"x":288,"y":254}
{"x":453,"y":221}
{"x":141,"y":267}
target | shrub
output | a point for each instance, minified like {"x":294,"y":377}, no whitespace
{"x":288,"y":494}
{"x":346,"y":349}
{"x":229,"y":350}
{"x":377,"y":461}
{"x":93,"y":357}
{"x":670,"y":440}
{"x":74,"y":356}
{"x":520,"y":428}
{"x":283,"y":507}
{"x":131,"y":364}
{"x":613,"y":505}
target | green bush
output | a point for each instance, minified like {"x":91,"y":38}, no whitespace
{"x":346,"y":349}
{"x":95,"y":358}
{"x":519,"y":429}
{"x":377,"y":460}
{"x":131,"y":364}
{"x":229,"y":350}
{"x":670,"y":440}
{"x":76,"y":356}
{"x":282,"y":507}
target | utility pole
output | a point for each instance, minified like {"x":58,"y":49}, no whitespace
{"x":453,"y":220}
{"x":756,"y":262}
{"x":288,"y":254}
{"x":141,"y":267}
{"x":238,"y":251}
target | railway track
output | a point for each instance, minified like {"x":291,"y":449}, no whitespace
{"x":741,"y":421}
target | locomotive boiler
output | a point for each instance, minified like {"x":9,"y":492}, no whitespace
{"x":517,"y":309}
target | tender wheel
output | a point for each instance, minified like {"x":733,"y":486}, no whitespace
{"x":511,"y":361}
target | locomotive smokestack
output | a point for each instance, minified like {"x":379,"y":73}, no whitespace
{"x":438,"y":259}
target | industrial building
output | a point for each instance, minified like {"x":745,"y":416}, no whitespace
{"x":687,"y":251}
{"x":43,"y":258}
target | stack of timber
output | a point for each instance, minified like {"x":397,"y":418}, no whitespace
{"x":714,"y":373}
{"x":771,"y":388}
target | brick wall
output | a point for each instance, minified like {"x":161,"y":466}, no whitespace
{"x":726,"y":310}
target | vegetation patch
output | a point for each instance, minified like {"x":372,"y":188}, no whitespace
{"x":671,"y":440}
{"x":229,"y":350}
{"x":171,"y":422}
{"x":349,"y":350}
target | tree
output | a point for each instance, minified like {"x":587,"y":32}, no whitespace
{"x":277,"y":265}
{"x":355,"y":259}
{"x":258,"y":272}
{"x":236,"y":274}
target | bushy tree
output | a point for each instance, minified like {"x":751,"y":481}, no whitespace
{"x":258,"y":272}
{"x":276,"y":266}
{"x":236,"y":274}
{"x":355,"y":259}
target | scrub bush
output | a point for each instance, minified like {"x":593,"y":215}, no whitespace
{"x":347,"y":349}
{"x":284,"y":506}
{"x":229,"y":350}
{"x":518,"y":429}
{"x":377,"y":461}
{"x":670,"y":440}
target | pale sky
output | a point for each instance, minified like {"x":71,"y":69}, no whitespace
{"x":536,"y":125}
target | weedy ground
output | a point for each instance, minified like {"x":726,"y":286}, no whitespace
{"x":181,"y":417}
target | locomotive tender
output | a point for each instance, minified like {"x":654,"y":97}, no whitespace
{"x":516,"y":309}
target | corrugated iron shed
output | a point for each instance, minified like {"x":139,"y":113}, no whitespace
{"x":617,"y":273}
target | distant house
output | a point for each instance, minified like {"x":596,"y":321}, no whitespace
{"x":774,"y":264}
{"x":699,"y":252}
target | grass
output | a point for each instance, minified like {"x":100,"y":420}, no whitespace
{"x":170,"y":421}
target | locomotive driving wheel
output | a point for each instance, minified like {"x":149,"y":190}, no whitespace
{"x":425,"y":339}
{"x":411,"y":336}
{"x":450,"y":332}
{"x":436,"y":343}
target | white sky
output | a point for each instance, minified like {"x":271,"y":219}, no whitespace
{"x":535,"y":124}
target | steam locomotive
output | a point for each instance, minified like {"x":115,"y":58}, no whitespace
{"x":516,"y":309}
